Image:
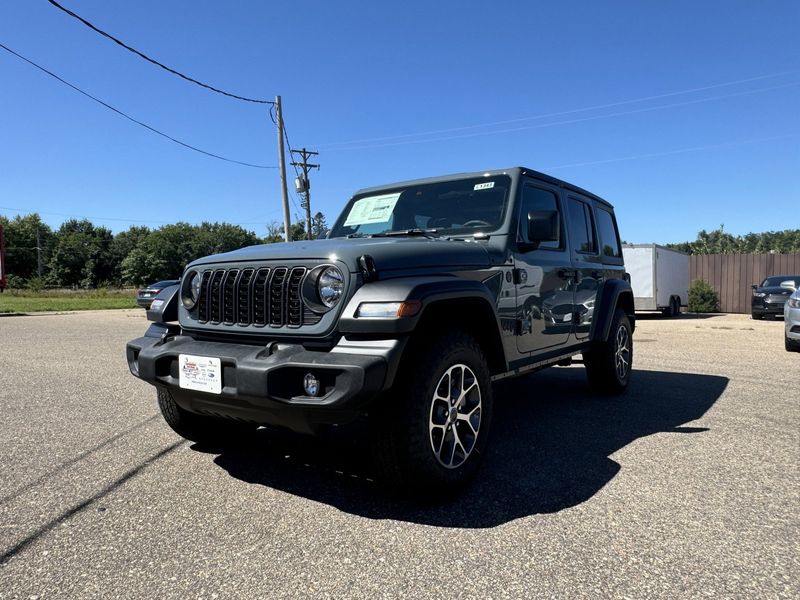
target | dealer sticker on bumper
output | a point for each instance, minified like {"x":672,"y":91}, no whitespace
{"x":201,"y":373}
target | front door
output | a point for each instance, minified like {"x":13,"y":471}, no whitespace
{"x":543,"y":286}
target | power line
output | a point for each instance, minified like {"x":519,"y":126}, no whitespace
{"x":559,"y":113}
{"x":153,"y":61}
{"x":676,"y":151}
{"x":570,"y":121}
{"x":130,"y":118}
{"x":294,"y":166}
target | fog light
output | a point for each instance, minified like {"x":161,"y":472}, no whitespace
{"x":311,"y":384}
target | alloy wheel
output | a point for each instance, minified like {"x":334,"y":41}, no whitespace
{"x":622,"y":352}
{"x":455,"y":416}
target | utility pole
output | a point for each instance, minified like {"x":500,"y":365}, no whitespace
{"x":305,"y":185}
{"x":38,"y":254}
{"x":287,"y":236}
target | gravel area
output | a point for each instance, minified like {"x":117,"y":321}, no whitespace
{"x":687,"y":486}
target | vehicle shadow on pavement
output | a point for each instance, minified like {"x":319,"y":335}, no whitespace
{"x":551,"y":444}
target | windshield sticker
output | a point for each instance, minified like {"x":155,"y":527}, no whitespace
{"x":373,"y":209}
{"x":483,"y":186}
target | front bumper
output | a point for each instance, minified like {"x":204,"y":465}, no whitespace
{"x":758,"y":306}
{"x":264,"y":384}
{"x":791,"y":320}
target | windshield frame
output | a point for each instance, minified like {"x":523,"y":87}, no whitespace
{"x":339,"y":230}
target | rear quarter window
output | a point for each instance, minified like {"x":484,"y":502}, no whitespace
{"x":609,"y":238}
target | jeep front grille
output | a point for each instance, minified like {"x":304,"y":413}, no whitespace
{"x":261,"y":297}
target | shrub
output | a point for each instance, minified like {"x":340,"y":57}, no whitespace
{"x":35,"y":284}
{"x":702,"y":297}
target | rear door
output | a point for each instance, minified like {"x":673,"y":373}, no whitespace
{"x":587,"y":266}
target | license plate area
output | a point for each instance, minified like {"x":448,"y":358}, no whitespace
{"x":200,"y":373}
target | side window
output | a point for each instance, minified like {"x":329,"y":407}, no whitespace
{"x":535,"y":199}
{"x":608,"y":233}
{"x":581,"y":227}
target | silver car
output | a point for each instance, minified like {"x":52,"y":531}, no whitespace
{"x":791,"y":322}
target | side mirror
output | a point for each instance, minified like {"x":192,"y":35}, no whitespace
{"x":543,"y":226}
{"x":788,"y":285}
{"x":754,"y":286}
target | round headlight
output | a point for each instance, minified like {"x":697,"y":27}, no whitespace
{"x":330,"y":286}
{"x":190,"y":291}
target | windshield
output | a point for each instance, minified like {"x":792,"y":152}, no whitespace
{"x":777,"y":281}
{"x":462,"y":206}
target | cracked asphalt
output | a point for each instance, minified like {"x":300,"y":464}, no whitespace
{"x":687,"y":486}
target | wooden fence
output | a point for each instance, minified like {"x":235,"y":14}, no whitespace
{"x":731,"y":275}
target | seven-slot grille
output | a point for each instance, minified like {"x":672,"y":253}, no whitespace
{"x":249,"y":296}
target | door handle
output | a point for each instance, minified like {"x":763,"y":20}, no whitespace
{"x":568,"y":273}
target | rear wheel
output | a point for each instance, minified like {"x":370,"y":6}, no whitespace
{"x":677,"y":309}
{"x":430,"y":434}
{"x":609,"y":363}
{"x":198,"y":428}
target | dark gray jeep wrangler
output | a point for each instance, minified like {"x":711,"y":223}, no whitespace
{"x":423,"y":294}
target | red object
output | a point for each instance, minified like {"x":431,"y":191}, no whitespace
{"x":2,"y":260}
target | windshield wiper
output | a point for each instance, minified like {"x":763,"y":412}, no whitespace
{"x":415,"y":231}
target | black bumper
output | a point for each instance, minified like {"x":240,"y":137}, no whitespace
{"x":265,"y":384}
{"x":767,"y":308}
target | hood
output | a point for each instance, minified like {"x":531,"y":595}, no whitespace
{"x":389,"y":253}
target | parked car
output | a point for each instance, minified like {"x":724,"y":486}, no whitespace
{"x":145,"y":296}
{"x":769,"y":297}
{"x":791,"y":322}
{"x":423,"y":295}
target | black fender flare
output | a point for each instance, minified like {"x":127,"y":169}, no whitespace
{"x":613,"y":293}
{"x":424,"y":289}
{"x":167,"y":310}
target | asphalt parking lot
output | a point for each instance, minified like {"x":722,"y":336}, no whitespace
{"x":687,"y":486}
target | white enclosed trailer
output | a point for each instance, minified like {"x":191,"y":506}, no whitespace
{"x":659,"y":277}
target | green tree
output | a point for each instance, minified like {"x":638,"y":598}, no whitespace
{"x":81,"y":255}
{"x":123,"y":244}
{"x":274,"y":233}
{"x":319,"y":225}
{"x":166,"y":251}
{"x":720,"y":242}
{"x":22,"y":257}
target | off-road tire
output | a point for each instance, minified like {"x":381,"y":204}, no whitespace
{"x":790,"y":345}
{"x":602,"y":360}
{"x":401,"y":423}
{"x":198,"y":428}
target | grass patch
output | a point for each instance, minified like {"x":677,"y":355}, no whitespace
{"x":24,"y":301}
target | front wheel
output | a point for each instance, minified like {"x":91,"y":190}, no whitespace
{"x":430,"y":434}
{"x":609,"y":363}
{"x":198,"y":428}
{"x":791,"y":345}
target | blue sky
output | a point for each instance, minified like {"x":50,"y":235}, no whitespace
{"x":499,"y":84}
